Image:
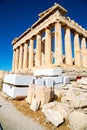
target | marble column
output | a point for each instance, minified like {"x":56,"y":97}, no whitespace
{"x":48,"y":46}
{"x":38,"y":50}
{"x":16,"y":59}
{"x":68,"y":49}
{"x":25,"y":59}
{"x":13,"y":61}
{"x":21,"y":57}
{"x":77,"y":50}
{"x":84,"y":53}
{"x":43,"y":52}
{"x":31,"y":54}
{"x":58,"y":44}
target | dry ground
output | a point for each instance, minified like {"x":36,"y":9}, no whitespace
{"x":23,"y":106}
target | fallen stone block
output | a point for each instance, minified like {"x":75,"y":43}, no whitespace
{"x":39,"y":81}
{"x":57,"y":106}
{"x":79,"y":101}
{"x":44,"y":94}
{"x":54,"y":117}
{"x":66,"y":80}
{"x":53,"y":81}
{"x":16,"y":79}
{"x":41,"y":93}
{"x":35,"y":105}
{"x":15,"y":92}
{"x":48,"y":72}
{"x":78,"y":120}
{"x":31,"y":93}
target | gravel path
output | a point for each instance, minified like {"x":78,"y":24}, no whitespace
{"x":11,"y":119}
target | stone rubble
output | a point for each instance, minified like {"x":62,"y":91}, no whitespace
{"x":42,"y":94}
{"x":72,"y":105}
{"x":35,"y":105}
{"x":78,"y":120}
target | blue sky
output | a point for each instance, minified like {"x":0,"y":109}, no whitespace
{"x":18,"y":15}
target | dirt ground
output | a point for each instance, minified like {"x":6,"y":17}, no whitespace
{"x":38,"y":116}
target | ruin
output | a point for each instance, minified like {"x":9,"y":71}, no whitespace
{"x":41,"y":52}
{"x":46,"y":58}
{"x":52,"y":41}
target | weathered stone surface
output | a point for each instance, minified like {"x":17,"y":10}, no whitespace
{"x":79,"y":101}
{"x":78,"y":120}
{"x":35,"y":105}
{"x":54,"y":116}
{"x":83,"y":80}
{"x":2,"y":74}
{"x":31,"y":93}
{"x":1,"y":84}
{"x":57,"y":106}
{"x":69,"y":96}
{"x":44,"y":94}
{"x":41,"y":93}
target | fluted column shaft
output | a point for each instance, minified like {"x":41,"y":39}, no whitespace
{"x":31,"y":54}
{"x":48,"y":53}
{"x":13,"y":61}
{"x":17,"y":59}
{"x":77,"y":50}
{"x":68,"y":49}
{"x":25,"y":59}
{"x":21,"y":57}
{"x":58,"y":44}
{"x":84,"y":53}
{"x":38,"y":51}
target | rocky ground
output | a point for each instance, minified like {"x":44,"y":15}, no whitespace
{"x":68,"y":111}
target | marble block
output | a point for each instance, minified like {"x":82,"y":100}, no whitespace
{"x":15,"y":92}
{"x":52,"y":81}
{"x":39,"y":81}
{"x":16,"y":79}
{"x":48,"y":72}
{"x":66,"y":80}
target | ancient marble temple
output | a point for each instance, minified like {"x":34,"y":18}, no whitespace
{"x":53,"y":40}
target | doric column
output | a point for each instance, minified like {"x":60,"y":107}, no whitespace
{"x":84,"y":53}
{"x":13,"y":61}
{"x":25,"y":59}
{"x":21,"y":57}
{"x":38,"y":51}
{"x":16,"y":59}
{"x":48,"y":54}
{"x":58,"y":44}
{"x":31,"y":54}
{"x":68,"y":50}
{"x":77,"y":50}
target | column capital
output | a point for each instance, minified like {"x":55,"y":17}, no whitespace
{"x":39,"y":33}
{"x":48,"y":27}
{"x":27,"y":41}
{"x":57,"y":21}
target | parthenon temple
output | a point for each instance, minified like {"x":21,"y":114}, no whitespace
{"x":53,"y":40}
